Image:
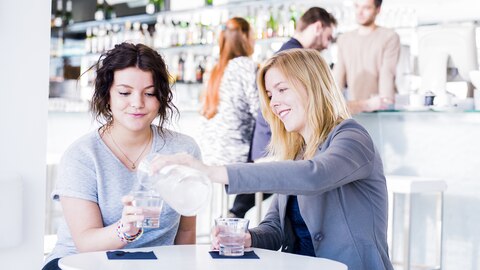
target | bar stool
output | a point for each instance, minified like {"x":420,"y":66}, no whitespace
{"x":408,"y":185}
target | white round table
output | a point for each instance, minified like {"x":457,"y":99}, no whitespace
{"x":197,"y":257}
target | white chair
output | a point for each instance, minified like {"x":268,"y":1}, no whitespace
{"x":408,"y":185}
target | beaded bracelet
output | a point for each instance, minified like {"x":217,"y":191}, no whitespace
{"x":125,"y":237}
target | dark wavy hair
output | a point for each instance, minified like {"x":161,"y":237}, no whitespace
{"x":313,"y":15}
{"x":125,"y":55}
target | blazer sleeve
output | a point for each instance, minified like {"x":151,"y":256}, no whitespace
{"x":339,"y":69}
{"x":268,"y":234}
{"x":349,"y":156}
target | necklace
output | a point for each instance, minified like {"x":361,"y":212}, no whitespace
{"x":123,"y":153}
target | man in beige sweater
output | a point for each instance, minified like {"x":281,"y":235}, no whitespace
{"x":367,"y":60}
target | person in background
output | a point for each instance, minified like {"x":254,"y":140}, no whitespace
{"x":367,"y":61}
{"x":330,"y":190}
{"x":231,"y":99}
{"x":98,"y":170}
{"x":314,"y":31}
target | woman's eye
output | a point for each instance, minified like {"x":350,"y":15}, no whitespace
{"x":281,"y":90}
{"x":123,"y":93}
{"x":150,"y":94}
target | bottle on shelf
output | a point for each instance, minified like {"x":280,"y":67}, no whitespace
{"x":58,"y":20}
{"x":107,"y":39}
{"x":101,"y":33}
{"x":261,"y":23}
{"x":147,"y":37}
{"x":272,"y":26}
{"x":189,"y":68}
{"x":154,"y":6}
{"x":174,"y":34}
{"x":94,"y":40}
{"x":88,"y":40}
{"x":115,"y":35}
{"x":162,"y":34}
{"x":68,"y":13}
{"x":127,"y":33}
{"x":292,"y":22}
{"x":99,"y":11}
{"x":281,"y":22}
{"x":137,"y":35}
{"x":181,"y":68}
{"x":110,"y":12}
{"x":200,"y":70}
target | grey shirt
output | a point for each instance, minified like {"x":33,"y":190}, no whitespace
{"x":90,"y":171}
{"x":341,"y":193}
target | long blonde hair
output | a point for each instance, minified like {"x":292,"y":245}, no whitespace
{"x":325,"y":107}
{"x":234,"y":41}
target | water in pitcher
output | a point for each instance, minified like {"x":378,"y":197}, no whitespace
{"x":183,"y":188}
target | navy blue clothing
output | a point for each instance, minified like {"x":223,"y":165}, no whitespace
{"x":262,"y":133}
{"x":292,"y":43}
{"x":303,"y":244}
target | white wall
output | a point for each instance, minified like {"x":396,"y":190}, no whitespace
{"x":24,"y":58}
{"x":439,"y":11}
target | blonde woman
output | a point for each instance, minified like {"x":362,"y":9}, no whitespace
{"x":331,"y":196}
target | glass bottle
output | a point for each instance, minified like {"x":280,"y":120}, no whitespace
{"x":99,"y":12}
{"x":110,"y":12}
{"x":181,"y":68}
{"x":58,"y":21}
{"x":292,"y":22}
{"x":271,"y":25}
{"x":68,"y":13}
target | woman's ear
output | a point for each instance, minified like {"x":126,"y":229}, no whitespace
{"x":318,"y":27}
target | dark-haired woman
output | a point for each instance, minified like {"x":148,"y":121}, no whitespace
{"x":97,"y":172}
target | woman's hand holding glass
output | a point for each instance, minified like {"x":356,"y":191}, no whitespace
{"x":216,"y":245}
{"x":130,"y":216}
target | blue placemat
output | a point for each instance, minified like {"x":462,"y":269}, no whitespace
{"x":126,"y":255}
{"x":246,"y":255}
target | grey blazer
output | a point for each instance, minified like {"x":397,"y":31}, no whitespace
{"x":342,"y":197}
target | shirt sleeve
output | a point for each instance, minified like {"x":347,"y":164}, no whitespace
{"x":386,"y":78}
{"x":76,"y":176}
{"x":348,"y":157}
{"x":339,"y":70}
{"x":268,"y":234}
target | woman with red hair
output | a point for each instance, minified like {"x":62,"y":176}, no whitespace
{"x":231,"y":99}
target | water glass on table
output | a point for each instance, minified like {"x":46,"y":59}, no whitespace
{"x":151,"y":204}
{"x":231,"y":235}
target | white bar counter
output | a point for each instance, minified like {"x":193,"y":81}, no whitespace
{"x":443,"y":145}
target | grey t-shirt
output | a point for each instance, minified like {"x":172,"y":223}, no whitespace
{"x":89,"y":170}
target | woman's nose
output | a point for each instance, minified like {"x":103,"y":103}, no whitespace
{"x":274,"y":101}
{"x":137,"y":101}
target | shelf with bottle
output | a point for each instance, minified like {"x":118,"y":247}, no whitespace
{"x":105,"y":13}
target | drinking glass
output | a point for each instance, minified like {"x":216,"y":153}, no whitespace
{"x":231,"y":235}
{"x":151,"y":204}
